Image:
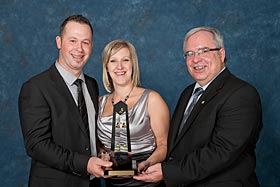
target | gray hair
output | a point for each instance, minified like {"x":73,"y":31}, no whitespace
{"x":217,"y":36}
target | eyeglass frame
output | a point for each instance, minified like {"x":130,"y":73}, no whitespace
{"x":200,"y":51}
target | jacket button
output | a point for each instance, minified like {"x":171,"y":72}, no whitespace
{"x":86,"y":148}
{"x":170,"y":158}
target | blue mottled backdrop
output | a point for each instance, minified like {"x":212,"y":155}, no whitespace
{"x":156,"y":28}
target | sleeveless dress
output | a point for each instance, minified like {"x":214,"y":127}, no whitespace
{"x":141,"y":134}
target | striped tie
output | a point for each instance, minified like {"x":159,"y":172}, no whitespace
{"x":198,"y":91}
{"x":81,"y":103}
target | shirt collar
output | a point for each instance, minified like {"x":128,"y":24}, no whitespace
{"x":68,"y":77}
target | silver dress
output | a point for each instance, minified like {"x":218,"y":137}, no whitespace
{"x":141,"y":134}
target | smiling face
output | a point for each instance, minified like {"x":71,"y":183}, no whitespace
{"x":204,"y":67}
{"x":119,"y":68}
{"x":75,"y":47}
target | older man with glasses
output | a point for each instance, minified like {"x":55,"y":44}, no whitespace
{"x":216,"y":123}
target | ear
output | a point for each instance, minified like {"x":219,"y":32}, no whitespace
{"x":58,"y":41}
{"x":222,"y":54}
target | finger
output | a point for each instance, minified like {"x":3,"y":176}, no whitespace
{"x":141,"y":177}
{"x":105,"y":164}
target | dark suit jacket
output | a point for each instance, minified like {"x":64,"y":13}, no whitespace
{"x":216,"y":147}
{"x":54,"y":135}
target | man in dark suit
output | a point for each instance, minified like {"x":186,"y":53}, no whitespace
{"x":215,"y":145}
{"x":60,"y":142}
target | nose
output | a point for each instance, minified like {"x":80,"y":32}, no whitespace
{"x":196,"y":57}
{"x":119,"y":65}
{"x":79,"y":46}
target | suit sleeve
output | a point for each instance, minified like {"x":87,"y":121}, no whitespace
{"x":237,"y":123}
{"x":36,"y":118}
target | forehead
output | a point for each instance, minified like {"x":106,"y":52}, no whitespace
{"x":79,"y":29}
{"x":200,"y":39}
{"x":124,"y":51}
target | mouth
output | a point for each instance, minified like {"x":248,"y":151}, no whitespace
{"x":78,"y":57}
{"x":120,"y":73}
{"x":199,"y":67}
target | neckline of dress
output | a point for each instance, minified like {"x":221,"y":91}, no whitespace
{"x":130,"y":109}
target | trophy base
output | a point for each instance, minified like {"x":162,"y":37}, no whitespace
{"x":123,"y":165}
{"x":119,"y":173}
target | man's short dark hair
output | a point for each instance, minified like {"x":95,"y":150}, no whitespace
{"x":76,"y":18}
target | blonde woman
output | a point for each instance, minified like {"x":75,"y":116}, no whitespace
{"x":147,"y":112}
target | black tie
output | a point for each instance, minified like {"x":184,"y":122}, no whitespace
{"x":198,"y":91}
{"x":81,"y":103}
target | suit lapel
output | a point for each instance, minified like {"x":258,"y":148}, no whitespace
{"x":179,"y":112}
{"x":211,"y":91}
{"x":67,"y":96}
{"x":92,"y":93}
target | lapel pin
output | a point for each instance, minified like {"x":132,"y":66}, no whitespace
{"x":202,"y":102}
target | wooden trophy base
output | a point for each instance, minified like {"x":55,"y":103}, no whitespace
{"x":123,"y":165}
{"x":119,"y":173}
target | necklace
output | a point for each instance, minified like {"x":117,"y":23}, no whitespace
{"x":125,"y":99}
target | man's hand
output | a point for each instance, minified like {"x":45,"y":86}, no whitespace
{"x":96,"y":166}
{"x":152,"y":174}
{"x":143,"y":166}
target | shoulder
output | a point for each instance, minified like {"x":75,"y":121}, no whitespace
{"x":240,"y":84}
{"x":156,"y":104}
{"x":187,"y":91}
{"x":154,"y":98}
{"x":102,"y":97}
{"x":39,"y":78}
{"x":154,"y":95}
{"x":233,"y":89}
{"x":40,"y":84}
{"x":151,"y":94}
{"x":90,"y":79}
{"x":92,"y":83}
{"x":228,"y":83}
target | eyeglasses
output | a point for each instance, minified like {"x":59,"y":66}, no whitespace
{"x":200,"y":51}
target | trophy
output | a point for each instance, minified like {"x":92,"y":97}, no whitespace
{"x":123,"y":164}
